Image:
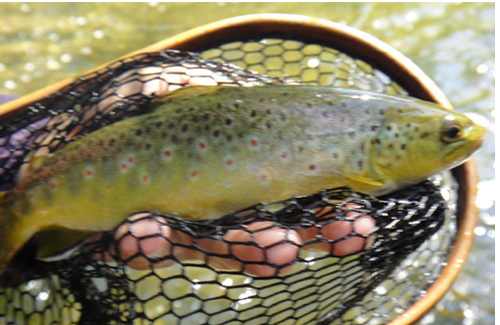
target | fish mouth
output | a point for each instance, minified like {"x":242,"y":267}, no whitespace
{"x":476,"y":136}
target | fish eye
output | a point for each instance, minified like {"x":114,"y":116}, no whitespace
{"x":451,"y":132}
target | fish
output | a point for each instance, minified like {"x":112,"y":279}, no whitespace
{"x":204,"y":152}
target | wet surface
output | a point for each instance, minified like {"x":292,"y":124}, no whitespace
{"x":453,"y":43}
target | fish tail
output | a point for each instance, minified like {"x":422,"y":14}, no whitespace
{"x":4,"y":242}
{"x":8,"y":247}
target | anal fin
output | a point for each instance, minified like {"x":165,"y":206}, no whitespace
{"x":58,"y":242}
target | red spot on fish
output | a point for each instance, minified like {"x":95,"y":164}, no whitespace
{"x":202,"y":145}
{"x":53,"y":186}
{"x":168,"y":153}
{"x":124,"y":166}
{"x":145,"y":178}
{"x":312,"y":167}
{"x":194,"y":174}
{"x":264,"y":177}
{"x":310,"y":137}
{"x":88,"y":172}
{"x":254,"y":143}
{"x":130,"y":159}
{"x":31,"y":196}
{"x":284,"y":154}
{"x":229,"y":162}
{"x":109,"y":186}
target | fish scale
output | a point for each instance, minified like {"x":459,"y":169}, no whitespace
{"x":201,"y":153}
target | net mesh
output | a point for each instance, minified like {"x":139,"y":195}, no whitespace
{"x":193,"y":280}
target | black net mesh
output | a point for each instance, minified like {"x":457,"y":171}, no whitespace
{"x":201,"y":275}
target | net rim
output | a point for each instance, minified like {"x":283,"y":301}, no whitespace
{"x":343,"y":38}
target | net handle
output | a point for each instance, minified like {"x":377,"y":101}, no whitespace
{"x":351,"y":41}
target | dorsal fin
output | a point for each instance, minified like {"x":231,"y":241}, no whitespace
{"x":29,"y":167}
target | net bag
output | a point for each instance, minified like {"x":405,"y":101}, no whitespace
{"x":190,"y":283}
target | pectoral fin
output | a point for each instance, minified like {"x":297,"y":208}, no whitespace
{"x":56,"y":242}
{"x":366,"y":180}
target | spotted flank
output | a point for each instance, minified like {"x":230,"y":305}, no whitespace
{"x":203,"y":154}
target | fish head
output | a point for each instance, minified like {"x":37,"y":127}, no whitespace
{"x":415,"y":143}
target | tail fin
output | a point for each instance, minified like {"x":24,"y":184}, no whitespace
{"x":12,"y":239}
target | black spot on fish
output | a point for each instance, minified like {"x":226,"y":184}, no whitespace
{"x":236,"y":105}
{"x":229,"y":137}
{"x":389,"y":128}
{"x":417,"y":129}
{"x":424,"y":135}
{"x":374,"y":128}
{"x":362,"y":147}
{"x":335,"y":155}
{"x":184,"y":128}
{"x":325,"y":114}
{"x":240,"y":135}
{"x":216,"y":133}
{"x":408,"y":125}
{"x":164,"y":135}
{"x":396,"y":135}
{"x":112,"y":142}
{"x":331,"y":103}
{"x":190,"y":140}
{"x":219,"y":105}
{"x":195,"y":118}
{"x":159,"y":124}
{"x":148,"y":146}
{"x":207,"y":127}
{"x":253,"y":113}
{"x":399,"y":111}
{"x":206,"y":117}
{"x":175,"y":138}
{"x":310,"y":105}
{"x":171,"y":125}
{"x":268,"y":124}
{"x":390,"y":146}
{"x":360,"y":164}
{"x":381,"y":112}
{"x":301,"y":149}
{"x":148,"y":130}
{"x":261,"y":100}
{"x":229,"y":121}
{"x":403,"y":146}
{"x":283,"y":117}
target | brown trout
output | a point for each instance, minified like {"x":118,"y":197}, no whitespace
{"x":202,"y":153}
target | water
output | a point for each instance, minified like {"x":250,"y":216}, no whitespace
{"x":453,"y":43}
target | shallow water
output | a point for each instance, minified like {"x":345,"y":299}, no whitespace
{"x":453,"y":43}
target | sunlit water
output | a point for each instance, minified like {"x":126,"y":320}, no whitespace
{"x":453,"y":43}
